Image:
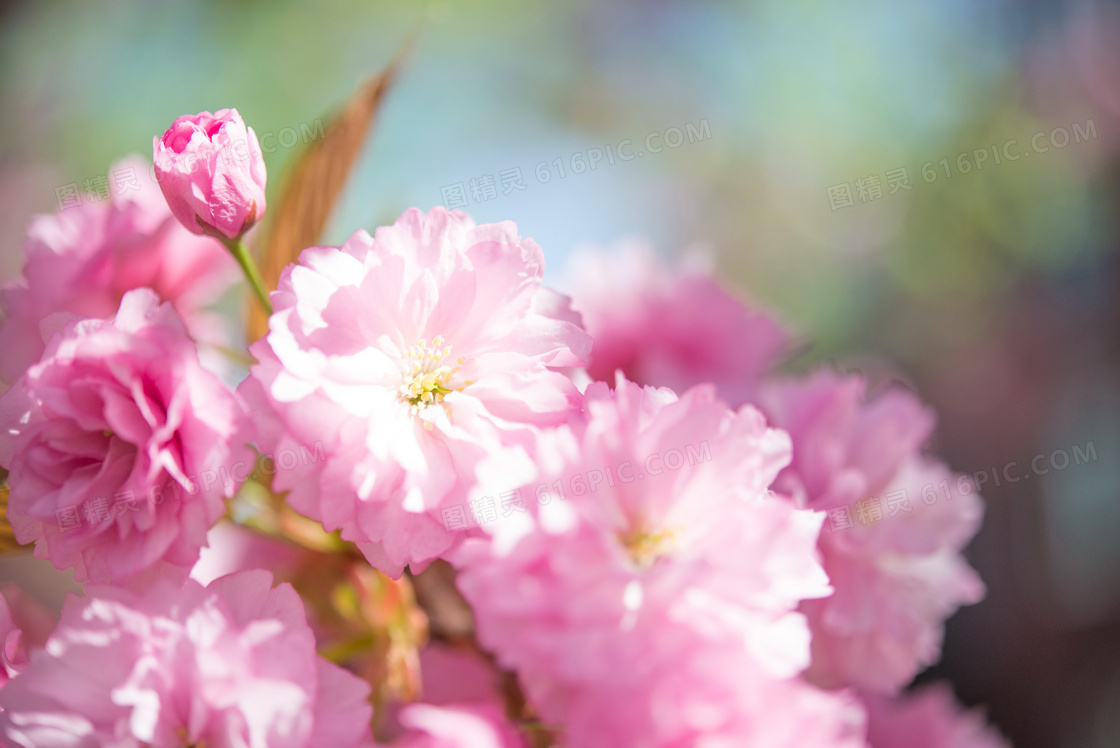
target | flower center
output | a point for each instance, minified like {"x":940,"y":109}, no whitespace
{"x":182,"y":735}
{"x":427,"y":379}
{"x":645,"y":546}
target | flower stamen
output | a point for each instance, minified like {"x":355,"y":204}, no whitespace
{"x":645,"y":546}
{"x":426,"y":379}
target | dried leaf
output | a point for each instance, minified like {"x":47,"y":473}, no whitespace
{"x":314,"y":184}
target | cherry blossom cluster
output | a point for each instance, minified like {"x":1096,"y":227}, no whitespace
{"x":662,"y":541}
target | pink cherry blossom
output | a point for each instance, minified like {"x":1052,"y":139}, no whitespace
{"x":929,"y":718}
{"x":670,"y":325}
{"x":230,"y":664}
{"x":211,"y":171}
{"x":647,"y":596}
{"x":458,"y":726}
{"x":421,"y":359}
{"x":121,"y":446}
{"x":24,"y":624}
{"x":232,"y":547}
{"x":454,"y":675}
{"x":897,"y":521}
{"x":462,"y":705}
{"x":84,"y":258}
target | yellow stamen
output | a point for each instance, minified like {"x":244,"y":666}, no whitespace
{"x":427,"y":380}
{"x":644,"y":546}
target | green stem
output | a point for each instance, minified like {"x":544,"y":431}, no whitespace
{"x":245,"y":260}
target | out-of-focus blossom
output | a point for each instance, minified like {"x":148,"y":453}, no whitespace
{"x":930,"y":718}
{"x":670,"y":326}
{"x":211,"y":171}
{"x":362,"y":620}
{"x":419,"y":360}
{"x":232,"y":547}
{"x":453,"y":676}
{"x":647,"y":595}
{"x":230,"y":664}
{"x":24,"y":624}
{"x":84,"y":258}
{"x":121,"y":446}
{"x":458,"y":726}
{"x":14,"y":650}
{"x":462,"y":705}
{"x":896,"y":523}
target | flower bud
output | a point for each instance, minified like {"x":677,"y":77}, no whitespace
{"x":210,"y":169}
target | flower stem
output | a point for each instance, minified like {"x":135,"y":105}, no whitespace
{"x":245,"y":260}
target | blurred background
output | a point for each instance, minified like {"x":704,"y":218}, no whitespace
{"x":926,"y":191}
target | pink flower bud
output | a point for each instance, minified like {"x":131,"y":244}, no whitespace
{"x":210,"y":169}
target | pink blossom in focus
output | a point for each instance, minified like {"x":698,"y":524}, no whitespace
{"x":929,"y":718}
{"x":121,"y":446}
{"x":647,"y":595}
{"x":210,"y":169}
{"x":897,"y":521}
{"x":420,"y":360}
{"x":230,"y":664}
{"x":84,"y":258}
{"x":670,"y":326}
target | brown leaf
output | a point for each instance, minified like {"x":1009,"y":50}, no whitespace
{"x":314,"y":184}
